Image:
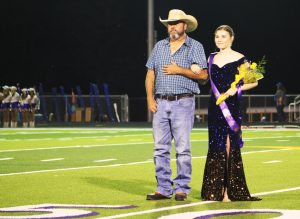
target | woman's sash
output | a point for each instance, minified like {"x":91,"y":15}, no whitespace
{"x":234,"y":126}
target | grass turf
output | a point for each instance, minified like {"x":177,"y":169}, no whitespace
{"x":31,"y":173}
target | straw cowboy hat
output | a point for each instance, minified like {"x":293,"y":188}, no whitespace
{"x":179,"y":15}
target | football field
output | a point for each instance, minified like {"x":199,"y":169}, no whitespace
{"x":107,"y":173}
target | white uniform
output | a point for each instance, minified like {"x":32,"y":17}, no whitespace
{"x":6,"y":102}
{"x":34,"y":100}
{"x":25,"y":102}
{"x":15,"y":101}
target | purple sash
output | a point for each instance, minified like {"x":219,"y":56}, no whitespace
{"x":234,"y":126}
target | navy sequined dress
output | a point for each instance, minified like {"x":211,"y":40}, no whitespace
{"x":219,"y":173}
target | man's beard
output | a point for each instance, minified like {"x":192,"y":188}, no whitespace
{"x":175,"y":35}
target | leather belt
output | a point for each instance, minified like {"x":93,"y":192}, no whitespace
{"x":173,"y":97}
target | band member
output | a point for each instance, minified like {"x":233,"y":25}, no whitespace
{"x":25,"y":106}
{"x":6,"y":105}
{"x":33,"y":101}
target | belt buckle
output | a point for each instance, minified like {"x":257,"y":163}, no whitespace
{"x":172,"y":98}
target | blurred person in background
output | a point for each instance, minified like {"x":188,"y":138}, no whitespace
{"x":1,"y":98}
{"x":33,"y":102}
{"x":280,"y":101}
{"x":14,"y":107}
{"x":5,"y":105}
{"x":25,"y":107}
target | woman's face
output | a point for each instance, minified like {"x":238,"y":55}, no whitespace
{"x":223,"y":39}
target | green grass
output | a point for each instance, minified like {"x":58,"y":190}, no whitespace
{"x":126,"y":173}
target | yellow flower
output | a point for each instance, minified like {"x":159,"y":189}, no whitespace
{"x":238,"y":78}
{"x":253,"y":65}
{"x":248,"y":74}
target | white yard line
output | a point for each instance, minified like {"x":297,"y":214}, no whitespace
{"x":190,"y":205}
{"x":272,"y":161}
{"x":53,"y":159}
{"x":80,"y":137}
{"x":99,"y":161}
{"x":83,"y":146}
{"x":6,"y":158}
{"x":266,"y":151}
{"x":76,"y":146}
{"x":276,"y":191}
{"x":112,"y":165}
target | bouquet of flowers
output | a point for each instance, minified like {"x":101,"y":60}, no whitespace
{"x":248,"y":73}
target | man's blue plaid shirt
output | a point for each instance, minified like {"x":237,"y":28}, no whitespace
{"x":191,"y":52}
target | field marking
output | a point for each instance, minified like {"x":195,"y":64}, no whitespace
{"x":273,"y":161}
{"x":6,"y":158}
{"x":115,"y":165}
{"x":190,"y":205}
{"x":276,"y":191}
{"x":139,"y":139}
{"x":73,"y":138}
{"x":266,"y":151}
{"x":85,"y":146}
{"x":76,"y":146}
{"x":120,"y":144}
{"x":276,"y":147}
{"x":117,"y":136}
{"x":38,"y":130}
{"x":53,"y":159}
{"x":99,"y":161}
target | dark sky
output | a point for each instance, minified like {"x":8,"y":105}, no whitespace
{"x":76,"y":42}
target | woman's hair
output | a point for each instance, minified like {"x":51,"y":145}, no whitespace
{"x":226,"y":28}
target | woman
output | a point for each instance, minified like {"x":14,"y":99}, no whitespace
{"x":25,"y":106}
{"x":5,"y":105}
{"x":33,"y":101}
{"x":224,"y":178}
{"x":14,"y":107}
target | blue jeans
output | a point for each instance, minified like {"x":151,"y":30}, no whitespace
{"x":173,"y":120}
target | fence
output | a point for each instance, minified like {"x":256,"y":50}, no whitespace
{"x":256,"y":108}
{"x":120,"y":108}
{"x":83,"y":108}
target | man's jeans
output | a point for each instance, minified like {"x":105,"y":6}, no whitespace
{"x":173,"y":120}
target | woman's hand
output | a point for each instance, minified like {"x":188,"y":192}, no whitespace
{"x":231,"y":91}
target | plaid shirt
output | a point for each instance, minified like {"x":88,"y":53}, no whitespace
{"x":191,"y":52}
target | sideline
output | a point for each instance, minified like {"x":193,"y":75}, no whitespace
{"x":191,"y":205}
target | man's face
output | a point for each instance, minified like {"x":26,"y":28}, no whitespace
{"x":176,"y":29}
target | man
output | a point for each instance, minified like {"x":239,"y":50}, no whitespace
{"x":175,"y":67}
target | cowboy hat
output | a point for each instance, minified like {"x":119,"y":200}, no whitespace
{"x":179,"y":15}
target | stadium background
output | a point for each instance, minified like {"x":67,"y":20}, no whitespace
{"x":75,"y":42}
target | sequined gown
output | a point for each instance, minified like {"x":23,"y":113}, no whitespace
{"x":216,"y":174}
